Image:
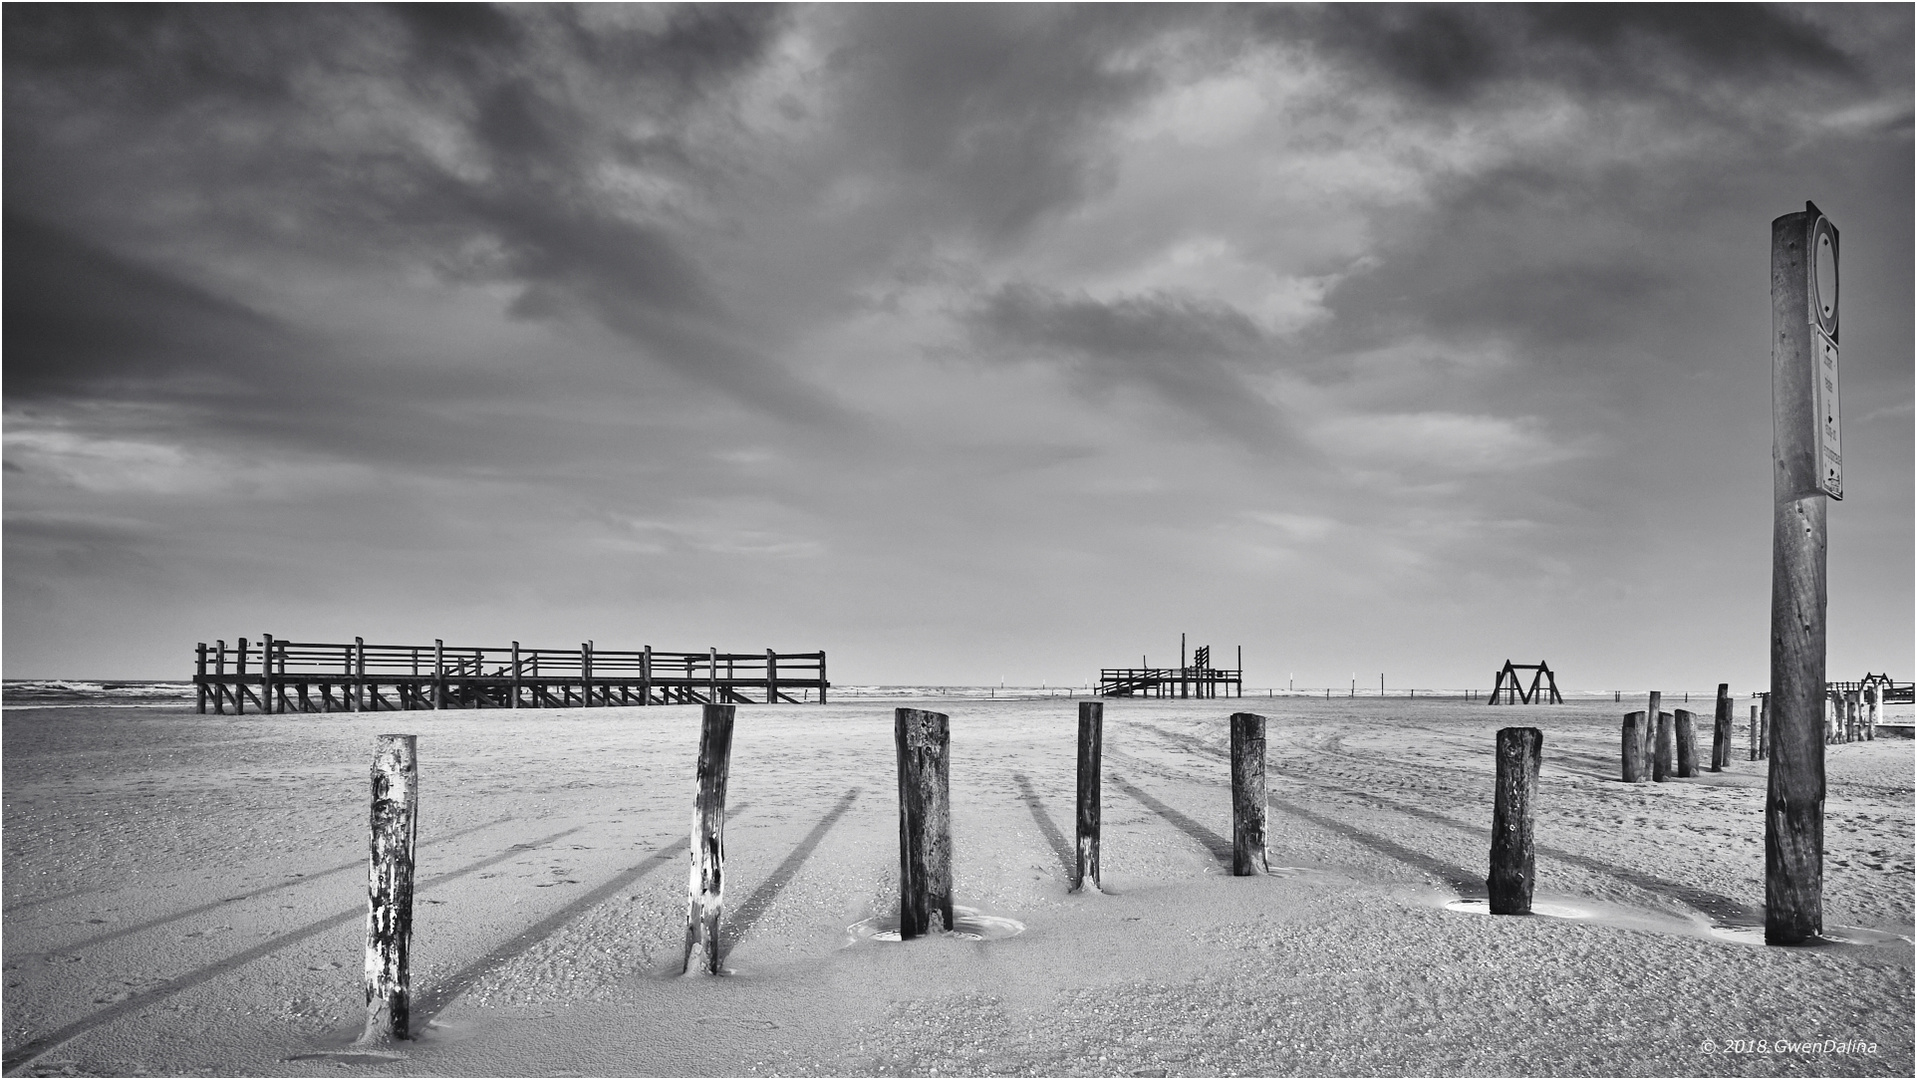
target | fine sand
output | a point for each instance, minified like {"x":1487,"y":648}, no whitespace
{"x":185,"y":895}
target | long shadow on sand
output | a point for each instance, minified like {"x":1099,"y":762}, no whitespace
{"x":1067,"y":858}
{"x":1219,"y":847}
{"x":1467,"y":885}
{"x":734,"y":928}
{"x":1725,"y":910}
{"x":20,"y":1055}
{"x":357,"y":864}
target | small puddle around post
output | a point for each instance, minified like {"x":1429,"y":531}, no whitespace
{"x":968,"y":924}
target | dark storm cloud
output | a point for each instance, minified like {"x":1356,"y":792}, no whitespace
{"x":1192,"y":353}
{"x":77,"y":317}
{"x":543,"y":97}
{"x":992,"y":112}
{"x":1448,"y":53}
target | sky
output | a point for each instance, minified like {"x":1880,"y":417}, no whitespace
{"x":966,"y":344}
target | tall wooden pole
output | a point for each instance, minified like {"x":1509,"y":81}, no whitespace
{"x":925,"y":820}
{"x":389,"y":887}
{"x":239,"y":681}
{"x":199,"y":675}
{"x":513,"y":687}
{"x":1513,"y":855}
{"x":439,"y":673}
{"x":1649,"y":732}
{"x":1721,"y":729}
{"x":1091,"y":749}
{"x":1803,"y":328}
{"x":1248,"y":795}
{"x":705,"y":883}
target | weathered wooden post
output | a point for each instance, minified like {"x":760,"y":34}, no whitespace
{"x":1807,"y":473}
{"x":1875,"y":712}
{"x":712,"y":673}
{"x":1091,"y":751}
{"x":439,"y":673}
{"x":1634,"y":771}
{"x":513,"y":688}
{"x":771,"y":677}
{"x":1662,"y":758}
{"x":1753,"y":732}
{"x":1513,"y":856}
{"x":705,"y":883}
{"x":645,"y":676}
{"x":585,"y":674}
{"x":389,"y":888}
{"x":219,"y":669}
{"x":1686,"y":743}
{"x":1248,"y":795}
{"x":822,"y":680}
{"x":925,"y":821}
{"x":199,"y":675}
{"x":1852,"y":719}
{"x":1721,"y":729}
{"x":359,"y":674}
{"x":1650,"y":726}
{"x":239,"y":681}
{"x":269,"y":698}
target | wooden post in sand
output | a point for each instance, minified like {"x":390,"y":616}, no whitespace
{"x":359,"y":674}
{"x":389,"y":887}
{"x":1248,"y":795}
{"x":1764,"y":727}
{"x":925,"y":821}
{"x":1662,"y":763}
{"x":1650,"y":727}
{"x":1634,"y":772}
{"x":199,"y":675}
{"x":1721,"y":729}
{"x":1806,"y":474}
{"x":705,"y":881}
{"x":1513,"y":857}
{"x":1686,"y":744}
{"x":1091,"y":749}
{"x":239,"y":681}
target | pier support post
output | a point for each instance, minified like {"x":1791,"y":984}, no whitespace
{"x":199,"y":675}
{"x":1248,"y":795}
{"x":705,"y":882}
{"x":925,"y":820}
{"x":268,"y":700}
{"x":239,"y":681}
{"x":219,"y":669}
{"x":439,"y":673}
{"x":1721,"y":729}
{"x":389,"y":888}
{"x":1661,"y":758}
{"x":1634,"y":772}
{"x":1091,"y":750}
{"x":1513,"y":855}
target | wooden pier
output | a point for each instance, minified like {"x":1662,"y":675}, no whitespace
{"x":277,"y":676}
{"x":1195,"y":680}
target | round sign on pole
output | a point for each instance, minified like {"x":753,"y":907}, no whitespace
{"x":1824,"y":276}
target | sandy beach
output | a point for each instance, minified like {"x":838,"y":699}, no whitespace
{"x":185,"y":894}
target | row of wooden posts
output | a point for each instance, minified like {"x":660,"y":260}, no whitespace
{"x":1670,"y":746}
{"x":922,"y":740}
{"x":1849,"y":716}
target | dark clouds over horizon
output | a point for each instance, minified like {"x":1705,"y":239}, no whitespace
{"x":963,"y":342}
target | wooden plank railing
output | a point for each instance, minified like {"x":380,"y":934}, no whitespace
{"x":306,"y":676}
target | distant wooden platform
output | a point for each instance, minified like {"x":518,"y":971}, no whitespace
{"x":1185,"y":682}
{"x":277,"y":676}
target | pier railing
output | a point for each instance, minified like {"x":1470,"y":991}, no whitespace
{"x":305,"y":676}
